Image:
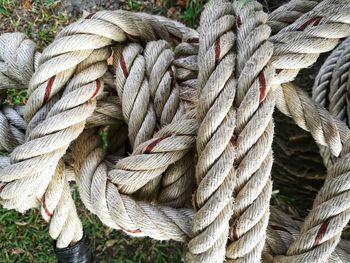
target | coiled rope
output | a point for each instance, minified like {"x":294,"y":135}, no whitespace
{"x":195,"y":111}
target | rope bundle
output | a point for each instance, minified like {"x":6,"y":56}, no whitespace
{"x":190,"y":127}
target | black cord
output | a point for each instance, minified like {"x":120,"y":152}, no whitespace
{"x":80,"y":252}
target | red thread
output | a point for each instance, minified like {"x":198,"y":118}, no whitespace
{"x":278,"y":71}
{"x":123,"y":66}
{"x":239,"y":21}
{"x":126,"y":230}
{"x":315,"y":21}
{"x":48,"y":213}
{"x":49,"y":88}
{"x":134,"y":231}
{"x":233,"y":140}
{"x":2,"y":187}
{"x":275,"y":227}
{"x":233,"y":232}
{"x":153,"y":144}
{"x":217,"y":51}
{"x":97,"y":89}
{"x":193,"y":40}
{"x":90,"y":15}
{"x":321,"y":232}
{"x":262,"y":81}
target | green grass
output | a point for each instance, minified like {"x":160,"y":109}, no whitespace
{"x":24,"y":238}
{"x":134,"y":5}
{"x":15,"y":97}
{"x":6,"y":7}
{"x":187,"y":13}
{"x":191,"y":14}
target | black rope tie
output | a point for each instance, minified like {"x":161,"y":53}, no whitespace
{"x":78,"y":253}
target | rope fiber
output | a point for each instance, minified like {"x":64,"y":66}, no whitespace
{"x":167,"y":131}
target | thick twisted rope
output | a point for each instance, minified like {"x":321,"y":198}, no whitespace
{"x":100,"y":194}
{"x":133,"y":90}
{"x":330,"y":88}
{"x":310,"y":116}
{"x":18,"y":59}
{"x":12,"y":127}
{"x":322,"y":228}
{"x":50,"y":128}
{"x":298,"y":45}
{"x":283,"y":230}
{"x":149,"y":79}
{"x":254,"y":121}
{"x":63,"y":94}
{"x":287,"y":14}
{"x":216,"y":117}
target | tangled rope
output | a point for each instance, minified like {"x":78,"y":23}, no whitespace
{"x":188,"y":114}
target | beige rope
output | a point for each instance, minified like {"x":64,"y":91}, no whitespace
{"x":311,"y":117}
{"x":12,"y":127}
{"x":228,"y":119}
{"x":18,"y":58}
{"x":330,"y":88}
{"x":255,"y":105}
{"x":216,"y":117}
{"x":298,"y":45}
{"x":101,"y":196}
{"x":286,"y":14}
{"x":283,"y":230}
{"x":51,"y":128}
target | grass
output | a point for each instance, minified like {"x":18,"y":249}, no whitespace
{"x":186,"y":11}
{"x":24,"y":237}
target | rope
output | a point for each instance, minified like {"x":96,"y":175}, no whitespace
{"x":18,"y":58}
{"x":255,"y":105}
{"x":216,"y":118}
{"x":61,"y":120}
{"x":330,"y":88}
{"x":288,"y":13}
{"x":12,"y":127}
{"x":183,"y":106}
{"x":299,"y":45}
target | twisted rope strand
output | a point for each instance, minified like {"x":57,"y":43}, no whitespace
{"x":298,"y":45}
{"x":253,"y":133}
{"x":18,"y":58}
{"x":216,"y":117}
{"x":228,"y":118}
{"x":101,"y":196}
{"x":330,"y":88}
{"x":54,"y":122}
{"x":286,"y":14}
